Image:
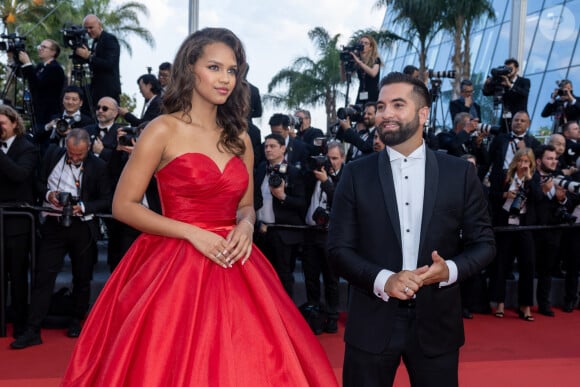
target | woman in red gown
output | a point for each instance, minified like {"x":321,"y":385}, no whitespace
{"x":193,"y":303}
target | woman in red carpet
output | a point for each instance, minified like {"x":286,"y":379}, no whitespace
{"x":193,"y":302}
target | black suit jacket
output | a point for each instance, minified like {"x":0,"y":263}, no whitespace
{"x":364,"y":238}
{"x":153,"y":110}
{"x":104,"y":65}
{"x":96,"y":193}
{"x":289,"y":211}
{"x":17,"y":177}
{"x":515,"y":99}
{"x":46,"y":83}
{"x":307,"y":137}
{"x":569,"y":113}
{"x":458,"y":106}
{"x":109,"y":140}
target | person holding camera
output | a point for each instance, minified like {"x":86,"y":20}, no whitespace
{"x":75,"y":186}
{"x":71,"y":117}
{"x":103,"y":60}
{"x":296,"y":151}
{"x":516,"y":208}
{"x":306,"y":132}
{"x":510,"y":89}
{"x":151,"y":90}
{"x":18,"y":162}
{"x":563,"y":105}
{"x":368,"y":65}
{"x":315,"y":256}
{"x":45,"y":80}
{"x":549,"y":210}
{"x":464,"y":138}
{"x":279,"y":199}
{"x":104,"y":133}
{"x":465,"y":103}
{"x":361,"y":138}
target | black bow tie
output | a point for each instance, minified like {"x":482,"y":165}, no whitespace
{"x":68,"y":118}
{"x":518,"y":138}
{"x":3,"y":144}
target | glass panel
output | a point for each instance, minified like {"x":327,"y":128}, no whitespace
{"x":502,"y":47}
{"x":483,"y":61}
{"x":531,"y":30}
{"x":476,"y":40}
{"x":558,"y":23}
{"x":540,"y":92}
{"x":503,"y":11}
{"x":534,"y":5}
{"x":549,"y":3}
{"x":443,"y":60}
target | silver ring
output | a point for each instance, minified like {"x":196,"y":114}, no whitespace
{"x":406,"y":289}
{"x":218,"y":255}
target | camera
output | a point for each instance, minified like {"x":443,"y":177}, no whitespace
{"x":487,"y":129}
{"x":67,"y":201}
{"x":14,"y":44}
{"x":347,"y":59}
{"x":62,"y":125}
{"x":277,"y":175}
{"x":131,"y":134}
{"x":501,"y":71}
{"x":563,"y":216}
{"x":315,"y":163}
{"x":354,"y":112}
{"x":74,"y":36}
{"x":441,"y":74}
{"x":518,"y":203}
{"x":321,"y":216}
{"x":296,"y":122}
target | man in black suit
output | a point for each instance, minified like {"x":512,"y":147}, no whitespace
{"x":465,"y":103}
{"x":407,"y":225}
{"x":164,"y":75}
{"x":104,"y":133}
{"x":563,"y":105}
{"x":151,"y":90}
{"x":18,"y":161}
{"x":73,"y":170}
{"x":70,"y":118}
{"x":296,"y":152}
{"x":361,"y":139}
{"x":45,"y":80}
{"x":279,"y":198}
{"x":571,"y":131}
{"x":514,"y":92}
{"x":103,"y":59}
{"x":306,"y":133}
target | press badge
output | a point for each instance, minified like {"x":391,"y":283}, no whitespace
{"x":363,"y":95}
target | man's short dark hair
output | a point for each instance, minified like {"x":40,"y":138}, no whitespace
{"x":410,"y":69}
{"x":465,"y":82}
{"x":371,"y":103}
{"x":279,"y":119}
{"x":567,"y":125}
{"x":165,"y":66}
{"x":419,"y":88}
{"x":539,"y":151}
{"x":513,"y":61}
{"x":150,"y":79}
{"x":74,"y":89}
{"x":276,"y":137}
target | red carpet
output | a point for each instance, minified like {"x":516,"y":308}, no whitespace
{"x":498,"y":352}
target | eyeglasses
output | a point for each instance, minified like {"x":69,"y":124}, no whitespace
{"x":103,"y":108}
{"x":43,"y":47}
{"x":467,"y":91}
{"x":365,"y":43}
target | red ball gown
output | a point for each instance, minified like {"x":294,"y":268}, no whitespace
{"x":168,"y":316}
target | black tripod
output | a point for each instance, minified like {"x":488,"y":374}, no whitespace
{"x":79,"y":78}
{"x":435,"y":94}
{"x":25,"y":107}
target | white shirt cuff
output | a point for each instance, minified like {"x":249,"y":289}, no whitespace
{"x":452,"y":267}
{"x":380,"y":282}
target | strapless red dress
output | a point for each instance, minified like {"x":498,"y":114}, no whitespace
{"x":170,"y":317}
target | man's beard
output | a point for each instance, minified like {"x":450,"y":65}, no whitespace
{"x":405,"y":132}
{"x":545,"y":169}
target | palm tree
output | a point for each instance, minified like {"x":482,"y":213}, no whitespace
{"x":311,"y":82}
{"x":460,"y":19}
{"x":421,"y":19}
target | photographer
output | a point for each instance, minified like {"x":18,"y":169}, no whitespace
{"x":315,"y":257}
{"x":18,"y":162}
{"x":71,"y":118}
{"x":306,"y":133}
{"x":151,"y":90}
{"x":296,"y":153}
{"x":361,"y":139}
{"x":464,"y":138}
{"x":465,"y":103}
{"x":571,"y":131}
{"x":279,"y":198}
{"x":75,"y":184}
{"x":164,"y":75}
{"x":508,"y":88}
{"x":103,"y":59}
{"x":367,"y":65}
{"x":45,"y":80}
{"x":104,"y":132}
{"x":563,"y":105}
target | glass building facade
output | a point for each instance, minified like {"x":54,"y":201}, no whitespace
{"x":550,"y":41}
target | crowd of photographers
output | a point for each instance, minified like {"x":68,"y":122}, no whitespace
{"x":69,"y":162}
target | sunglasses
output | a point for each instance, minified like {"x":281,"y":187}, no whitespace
{"x":103,"y":108}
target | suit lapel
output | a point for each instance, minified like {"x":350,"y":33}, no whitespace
{"x":388,"y":187}
{"x":431,"y":184}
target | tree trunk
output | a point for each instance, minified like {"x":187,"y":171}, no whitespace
{"x":467,"y":50}
{"x":458,"y":56}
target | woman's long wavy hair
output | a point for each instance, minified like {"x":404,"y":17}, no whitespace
{"x":232,"y":115}
{"x":373,"y":54}
{"x":513,"y":167}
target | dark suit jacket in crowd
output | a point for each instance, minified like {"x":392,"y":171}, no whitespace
{"x":104,"y":65}
{"x":46,"y":83}
{"x":109,"y":140}
{"x":364,"y":238}
{"x":153,"y":110}
{"x":96,"y":193}
{"x":17,"y":181}
{"x":514,"y":99}
{"x":571,"y":153}
{"x":307,"y":137}
{"x":571,"y":112}
{"x":458,"y":106}
{"x":289,"y":211}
